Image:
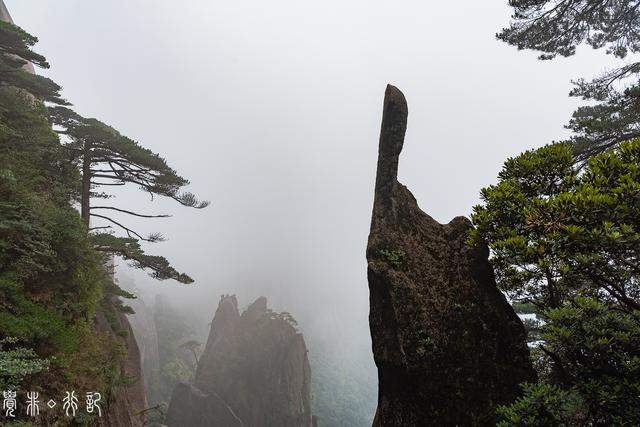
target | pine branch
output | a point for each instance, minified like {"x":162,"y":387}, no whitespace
{"x":108,"y":183}
{"x":128,"y":230}
{"x":129,"y":212}
{"x":99,"y":228}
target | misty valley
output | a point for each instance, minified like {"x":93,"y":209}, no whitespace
{"x":208,"y":226}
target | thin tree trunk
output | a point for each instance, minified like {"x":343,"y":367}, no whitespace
{"x":86,"y":184}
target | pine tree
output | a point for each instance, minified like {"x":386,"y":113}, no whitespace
{"x":107,"y":158}
{"x":15,"y":54}
{"x":557,"y":27}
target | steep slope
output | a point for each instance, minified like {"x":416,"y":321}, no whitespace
{"x":254,"y":372}
{"x":58,"y":309}
{"x":144,"y":329}
{"x":448,"y":346}
{"x":128,"y":401}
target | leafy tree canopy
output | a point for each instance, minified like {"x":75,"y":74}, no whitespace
{"x":568,"y":242}
{"x":556,"y":233}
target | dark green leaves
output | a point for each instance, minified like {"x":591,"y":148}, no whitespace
{"x":555,"y":233}
{"x":556,"y":27}
{"x":15,"y":57}
{"x":568,"y":243}
{"x":129,"y":249}
{"x":116,"y":158}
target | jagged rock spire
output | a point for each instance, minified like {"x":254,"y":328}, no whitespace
{"x":253,"y":372}
{"x":447,"y":344}
{"x":4,"y":13}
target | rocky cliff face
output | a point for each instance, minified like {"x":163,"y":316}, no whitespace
{"x":448,"y":346}
{"x":144,"y":329}
{"x":128,"y":401}
{"x":254,"y":371}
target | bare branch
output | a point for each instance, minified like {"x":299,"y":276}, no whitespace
{"x":100,"y":228}
{"x":129,"y":212}
{"x":128,"y":230}
{"x":108,"y":183}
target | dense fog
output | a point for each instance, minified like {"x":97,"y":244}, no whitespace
{"x":272,"y":111}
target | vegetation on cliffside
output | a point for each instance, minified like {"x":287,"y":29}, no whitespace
{"x":54,"y":287}
{"x":567,"y":242}
{"x":563,"y":224}
{"x":51,"y":280}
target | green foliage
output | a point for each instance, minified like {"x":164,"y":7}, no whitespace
{"x":51,"y":278}
{"x":124,"y":159}
{"x":596,"y":356}
{"x":567,"y":243}
{"x":16,"y":363}
{"x":129,"y":249}
{"x":15,"y":53}
{"x":597,"y":348}
{"x":604,"y":125}
{"x":108,"y":158}
{"x":556,"y":234}
{"x":557,"y":27}
{"x":20,"y":424}
{"x":524,"y":308}
{"x":284,"y":316}
{"x":540,"y":405}
{"x":193,"y":347}
{"x":61,"y":316}
{"x":394,"y":257}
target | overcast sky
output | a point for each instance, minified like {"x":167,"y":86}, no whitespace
{"x":272,"y":109}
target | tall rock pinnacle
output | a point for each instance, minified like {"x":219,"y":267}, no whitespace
{"x":448,"y":346}
{"x":254,"y":372}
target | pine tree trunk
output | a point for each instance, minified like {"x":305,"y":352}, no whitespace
{"x":86,"y":184}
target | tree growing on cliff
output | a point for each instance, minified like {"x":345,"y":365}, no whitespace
{"x":569,"y":243}
{"x":51,"y":280}
{"x":557,"y":27}
{"x":15,"y":54}
{"x":107,"y":158}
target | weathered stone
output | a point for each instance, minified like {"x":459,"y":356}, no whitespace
{"x":191,"y":407}
{"x":448,"y":346}
{"x":254,"y":368}
{"x":144,"y":329}
{"x":128,"y":401}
